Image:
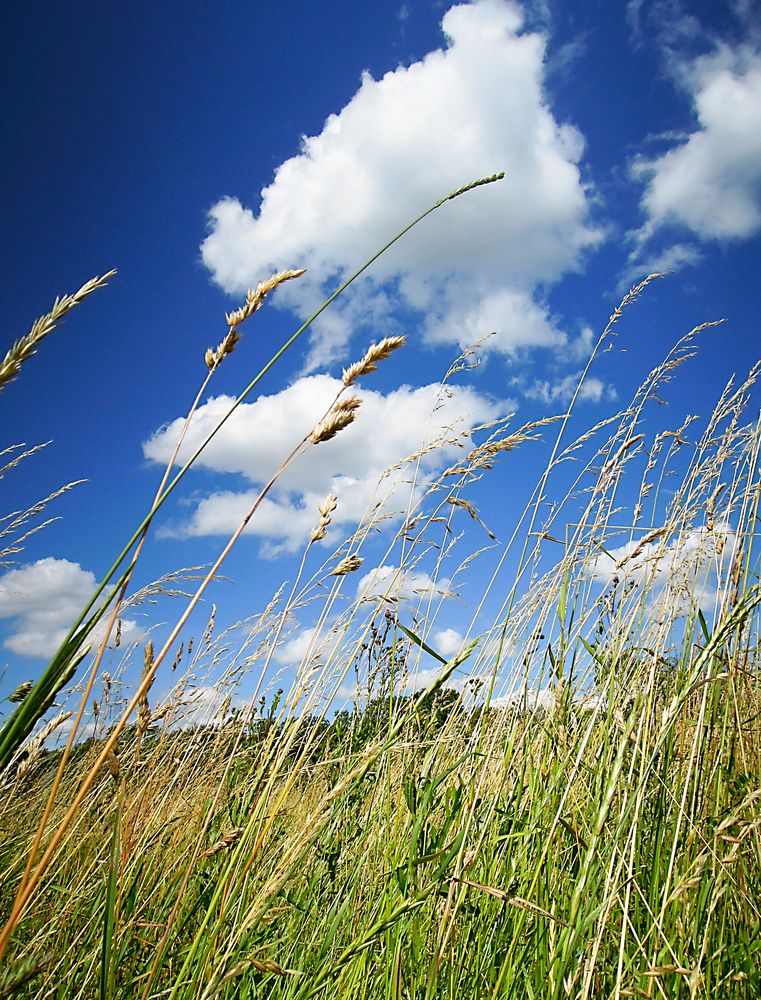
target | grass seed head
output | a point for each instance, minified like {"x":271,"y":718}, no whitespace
{"x":24,"y":348}
{"x":144,"y":709}
{"x":373,"y":356}
{"x":254,"y":300}
{"x":340,"y":416}
{"x":114,"y":765}
{"x":215,"y":358}
{"x":255,"y":296}
{"x":18,"y":695}
{"x":326,"y":509}
{"x":227,"y":841}
{"x":349,"y":564}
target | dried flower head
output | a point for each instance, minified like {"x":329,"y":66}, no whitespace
{"x":113,"y":764}
{"x":215,"y":358}
{"x":254,"y":299}
{"x":143,"y":708}
{"x":23,"y":349}
{"x":328,"y":505}
{"x":349,"y":564}
{"x":374,"y":354}
{"x":178,"y":656}
{"x":25,"y":758}
{"x":340,"y":416}
{"x":256,"y":296}
{"x":227,"y":841}
{"x":209,"y":631}
{"x":326,"y":509}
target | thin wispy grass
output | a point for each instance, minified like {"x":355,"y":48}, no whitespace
{"x":24,"y":348}
{"x":569,"y":806}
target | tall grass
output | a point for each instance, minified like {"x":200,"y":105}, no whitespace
{"x":568,"y":807}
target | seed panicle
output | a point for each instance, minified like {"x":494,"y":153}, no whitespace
{"x":473,"y":184}
{"x":340,"y":415}
{"x":254,"y":300}
{"x":373,"y":356}
{"x":255,"y":296}
{"x":144,"y":709}
{"x":349,"y":564}
{"x":20,"y":692}
{"x":227,"y":841}
{"x":325,"y":509}
{"x":24,"y":348}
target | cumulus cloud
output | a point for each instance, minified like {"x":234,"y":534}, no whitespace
{"x":447,"y":642}
{"x":673,"y":258}
{"x":474,"y":106}
{"x":529,"y":699}
{"x":710,"y":182}
{"x":254,"y":440}
{"x":210,"y":704}
{"x":43,"y":600}
{"x":394,"y":584}
{"x":538,"y":700}
{"x":307,"y":644}
{"x":685,"y":572}
{"x":562,"y":390}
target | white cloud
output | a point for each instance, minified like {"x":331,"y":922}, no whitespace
{"x":528,"y":699}
{"x":711,"y":183}
{"x":686,"y":571}
{"x":392,"y":583}
{"x":539,"y":700}
{"x":447,"y":642}
{"x":209,"y":704}
{"x":43,"y":600}
{"x":593,"y":390}
{"x":308,"y":644}
{"x":421,"y":680}
{"x":516,"y":321}
{"x":295,"y":649}
{"x":255,"y":439}
{"x":473,"y":107}
{"x":673,"y":258}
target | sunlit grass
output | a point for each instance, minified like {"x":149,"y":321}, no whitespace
{"x":568,"y":807}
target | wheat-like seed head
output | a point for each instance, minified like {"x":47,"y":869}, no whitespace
{"x":114,"y":765}
{"x":373,"y":356}
{"x":28,"y":754}
{"x":226,"y":346}
{"x":227,"y":841}
{"x":341,"y":414}
{"x":254,"y":300}
{"x":144,"y":709}
{"x":20,"y":692}
{"x":651,"y":536}
{"x":256,"y":296}
{"x":24,"y":348}
{"x":349,"y":564}
{"x":472,"y":185}
{"x":328,"y":505}
{"x":326,"y":509}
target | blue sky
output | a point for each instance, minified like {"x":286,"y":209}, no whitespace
{"x":198,"y":147}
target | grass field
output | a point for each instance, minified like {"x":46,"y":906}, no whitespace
{"x":568,"y":807}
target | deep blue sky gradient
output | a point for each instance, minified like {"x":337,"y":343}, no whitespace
{"x":124,"y":123}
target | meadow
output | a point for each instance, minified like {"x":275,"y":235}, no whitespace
{"x":569,"y":806}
